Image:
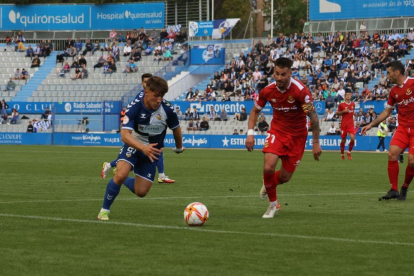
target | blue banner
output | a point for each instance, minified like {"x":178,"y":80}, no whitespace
{"x":15,"y":138}
{"x":229,"y":107}
{"x":200,"y":28}
{"x":67,"y":107}
{"x":352,"y":9}
{"x":82,"y":17}
{"x":87,"y":139}
{"x":212,"y":54}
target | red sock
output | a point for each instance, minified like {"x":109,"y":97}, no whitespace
{"x":342,"y":147}
{"x":276,"y":178}
{"x":270,"y":185}
{"x":393,"y":171}
{"x":351,"y":146}
{"x":409,"y":174}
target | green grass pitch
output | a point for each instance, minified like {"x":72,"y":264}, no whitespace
{"x":331,"y":222}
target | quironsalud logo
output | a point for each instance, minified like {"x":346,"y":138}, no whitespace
{"x":68,"y":107}
{"x":13,"y":16}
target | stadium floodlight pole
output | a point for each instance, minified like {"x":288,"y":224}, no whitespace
{"x":271,"y":19}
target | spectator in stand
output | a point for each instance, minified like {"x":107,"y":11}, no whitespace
{"x":241,"y":116}
{"x":157,"y":55}
{"x":332,"y":130}
{"x":35,"y":62}
{"x":14,"y":117}
{"x":392,"y":124}
{"x":163,"y":35}
{"x":84,"y":72}
{"x":60,"y":58}
{"x":82,"y":61}
{"x":78,"y":45}
{"x":101,"y":62}
{"x":235,"y":132}
{"x":66,"y":68}
{"x":223,"y":115}
{"x":189,"y":94}
{"x":167,"y":56}
{"x":195,"y":115}
{"x":88,"y":47}
{"x":3,"y":109}
{"x":136,"y":55}
{"x":45,"y":114}
{"x":20,"y":47}
{"x":24,"y":75}
{"x":127,"y":49}
{"x":180,"y":115}
{"x":75,"y":63}
{"x":112,"y":66}
{"x":154,"y":36}
{"x":107,"y":69}
{"x":204,"y":126}
{"x":30,"y":127}
{"x":188,"y":114}
{"x":330,"y":101}
{"x":263,"y":125}
{"x":10,"y":86}
{"x":96,"y":47}
{"x":191,"y":125}
{"x":331,"y":115}
{"x":30,"y":52}
{"x":78,"y":74}
{"x":181,"y":37}
{"x":131,"y":67}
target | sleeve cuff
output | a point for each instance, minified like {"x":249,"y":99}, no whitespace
{"x":258,"y":106}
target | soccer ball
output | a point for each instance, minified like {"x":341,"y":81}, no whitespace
{"x":195,"y":214}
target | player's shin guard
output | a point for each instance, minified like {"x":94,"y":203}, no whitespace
{"x":270,"y":185}
{"x":130,"y":184}
{"x":112,"y":190}
{"x":276,"y":178}
{"x":342,"y":147}
{"x":351,"y":145}
{"x":409,"y":174}
{"x":393,"y":170}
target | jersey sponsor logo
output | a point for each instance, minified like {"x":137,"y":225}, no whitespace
{"x":285,"y":109}
{"x":126,"y":119}
{"x":406,"y":102}
{"x":291,"y":99}
{"x":151,"y":129}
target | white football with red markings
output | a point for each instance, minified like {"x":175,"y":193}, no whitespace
{"x":196,"y":214}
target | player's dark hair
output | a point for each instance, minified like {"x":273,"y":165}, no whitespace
{"x":158,"y":85}
{"x":348,"y":91}
{"x":396,"y":65}
{"x":284,"y":62}
{"x":145,"y":76}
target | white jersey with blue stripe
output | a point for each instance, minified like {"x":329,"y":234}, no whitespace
{"x":149,"y":126}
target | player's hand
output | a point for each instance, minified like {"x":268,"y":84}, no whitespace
{"x":346,"y":110}
{"x":317,"y":151}
{"x":365,"y":129}
{"x":152,"y":152}
{"x":178,"y":151}
{"x":250,"y":142}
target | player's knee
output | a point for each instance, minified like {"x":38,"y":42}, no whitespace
{"x":411,"y":163}
{"x":269,"y":169}
{"x":284,"y":178}
{"x":120,"y":177}
{"x":141,"y":194}
{"x":392,"y":156}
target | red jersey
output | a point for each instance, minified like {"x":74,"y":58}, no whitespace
{"x":404,"y":97}
{"x":288,"y":114}
{"x":347,"y":118}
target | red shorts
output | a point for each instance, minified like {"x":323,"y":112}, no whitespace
{"x":289,"y":148}
{"x":347,"y":130}
{"x":404,"y":138}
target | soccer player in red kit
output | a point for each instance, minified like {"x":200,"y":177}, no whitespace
{"x":291,"y":102}
{"x":402,"y":95}
{"x":347,"y":111}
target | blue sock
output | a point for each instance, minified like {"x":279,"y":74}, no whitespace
{"x":129,"y":183}
{"x":160,"y":163}
{"x":113,"y":163}
{"x":112,"y":190}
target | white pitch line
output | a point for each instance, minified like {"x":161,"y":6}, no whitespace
{"x":178,"y":197}
{"x":198,"y":229}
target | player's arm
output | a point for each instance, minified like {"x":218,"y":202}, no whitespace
{"x":178,"y":138}
{"x":314,"y":121}
{"x":254,"y":114}
{"x":384,"y":115}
